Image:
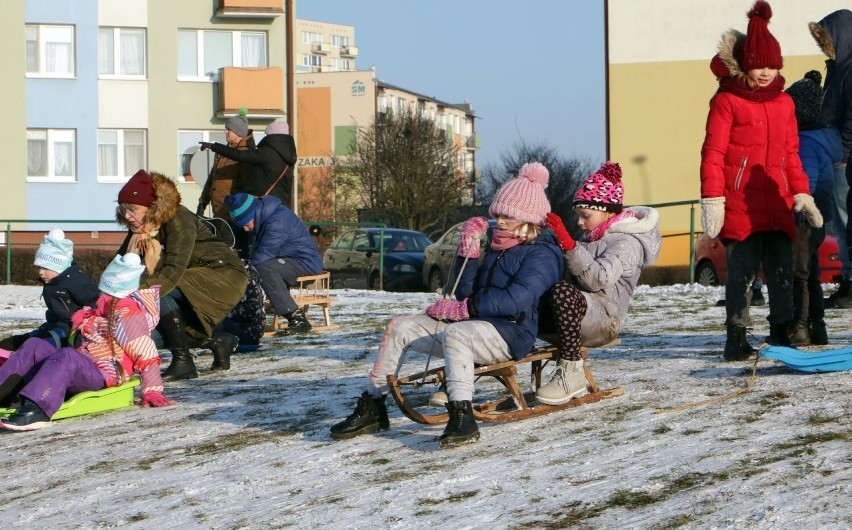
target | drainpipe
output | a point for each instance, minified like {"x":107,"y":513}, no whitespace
{"x":290,"y":85}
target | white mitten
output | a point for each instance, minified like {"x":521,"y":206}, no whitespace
{"x":713,"y":215}
{"x":802,"y":202}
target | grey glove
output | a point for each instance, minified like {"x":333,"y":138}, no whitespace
{"x":713,"y":215}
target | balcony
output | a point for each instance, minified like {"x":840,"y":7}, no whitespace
{"x":321,"y":47}
{"x":249,"y":9}
{"x":473,"y":141}
{"x":260,"y":90}
{"x":349,"y":51}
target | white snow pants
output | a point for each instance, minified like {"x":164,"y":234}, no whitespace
{"x":460,"y":344}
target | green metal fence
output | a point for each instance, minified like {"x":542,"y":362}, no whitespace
{"x":691,"y":205}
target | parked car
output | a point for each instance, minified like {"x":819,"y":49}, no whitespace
{"x":438,"y":257}
{"x":353,"y":259}
{"x":711,"y":267}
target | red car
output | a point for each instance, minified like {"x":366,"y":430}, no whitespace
{"x":711,"y":268}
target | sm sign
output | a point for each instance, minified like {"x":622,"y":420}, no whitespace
{"x":358,"y":89}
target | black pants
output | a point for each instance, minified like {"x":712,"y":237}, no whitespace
{"x":569,"y":308}
{"x":774,"y":252}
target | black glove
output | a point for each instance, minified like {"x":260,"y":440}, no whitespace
{"x":205,"y":145}
{"x":200,"y":211}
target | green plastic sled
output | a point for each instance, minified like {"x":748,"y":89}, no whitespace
{"x":117,"y":397}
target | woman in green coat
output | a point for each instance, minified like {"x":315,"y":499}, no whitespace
{"x":201,"y":279}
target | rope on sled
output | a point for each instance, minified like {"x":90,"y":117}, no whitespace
{"x":735,"y":393}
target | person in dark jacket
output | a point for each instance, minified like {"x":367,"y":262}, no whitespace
{"x":283,"y":251}
{"x":273,"y":161}
{"x":833,"y":35}
{"x":66,"y":289}
{"x":819,"y":149}
{"x":493,"y":318}
{"x":201,"y":279}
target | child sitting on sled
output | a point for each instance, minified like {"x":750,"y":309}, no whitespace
{"x":112,"y":340}
{"x":494,"y":317}
{"x":603,"y":267}
{"x":66,"y":289}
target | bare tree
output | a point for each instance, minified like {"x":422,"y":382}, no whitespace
{"x":566,"y":175}
{"x":403,"y":170}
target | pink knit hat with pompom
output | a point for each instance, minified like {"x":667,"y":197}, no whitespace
{"x":523,"y":198}
{"x":602,"y":190}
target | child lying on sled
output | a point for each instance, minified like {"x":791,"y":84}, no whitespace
{"x":603,"y":267}
{"x":113,"y":340}
{"x":493,"y":319}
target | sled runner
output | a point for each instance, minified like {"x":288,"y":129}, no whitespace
{"x":821,"y":361}
{"x":518,"y":406}
{"x":116,"y":397}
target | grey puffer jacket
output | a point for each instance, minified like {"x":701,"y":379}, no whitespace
{"x":607,"y":271}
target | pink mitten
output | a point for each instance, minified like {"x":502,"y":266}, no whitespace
{"x":447,"y":309}
{"x":155,"y":399}
{"x":472,"y":230}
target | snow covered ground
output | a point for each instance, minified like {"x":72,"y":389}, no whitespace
{"x":249,"y":448}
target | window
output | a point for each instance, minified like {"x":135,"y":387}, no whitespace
{"x":314,"y":61}
{"x":339,"y":41}
{"x":51,"y":154}
{"x":188,"y":146}
{"x":310,"y":37}
{"x":400,"y":106}
{"x":50,"y":50}
{"x":202,"y":53}
{"x":339,"y":64}
{"x":121,"y":52}
{"x":121,"y":152}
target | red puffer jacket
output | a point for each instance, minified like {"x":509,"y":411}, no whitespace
{"x":750,"y":156}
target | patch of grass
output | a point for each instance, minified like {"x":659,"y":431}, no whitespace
{"x":103,"y":467}
{"x":662,"y":429}
{"x":138,"y":517}
{"x":381,"y":461}
{"x":632,"y":499}
{"x":819,"y":418}
{"x":677,"y":521}
{"x":287,"y":370}
{"x":237,"y":440}
{"x":455,"y":497}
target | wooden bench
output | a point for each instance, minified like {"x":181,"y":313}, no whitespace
{"x":519,"y":405}
{"x":312,"y":290}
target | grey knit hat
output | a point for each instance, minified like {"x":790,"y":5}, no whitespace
{"x":807,"y":95}
{"x":238,"y":125}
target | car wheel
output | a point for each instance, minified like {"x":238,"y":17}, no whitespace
{"x":706,"y":275}
{"x":436,"y":281}
{"x":374,"y":281}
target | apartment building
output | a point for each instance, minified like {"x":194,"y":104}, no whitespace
{"x":111,"y":86}
{"x":324,"y":47}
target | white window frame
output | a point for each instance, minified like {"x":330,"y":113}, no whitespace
{"x":340,"y":65}
{"x":236,"y":53}
{"x":54,"y":136}
{"x":42,"y":52}
{"x":340,"y":41}
{"x":311,"y":37}
{"x":117,"y":55}
{"x":308,"y":59}
{"x":120,"y":161}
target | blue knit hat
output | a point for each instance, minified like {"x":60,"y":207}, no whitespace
{"x":56,"y":253}
{"x":121,"y":277}
{"x":242,"y":207}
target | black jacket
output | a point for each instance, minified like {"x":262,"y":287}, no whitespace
{"x":836,"y":29}
{"x":67,"y":293}
{"x":272,"y":155}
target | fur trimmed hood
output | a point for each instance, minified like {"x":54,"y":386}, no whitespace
{"x":729,"y":47}
{"x":165,"y":206}
{"x":833,"y":35}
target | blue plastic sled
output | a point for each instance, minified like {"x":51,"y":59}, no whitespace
{"x":117,"y":397}
{"x":823,"y":361}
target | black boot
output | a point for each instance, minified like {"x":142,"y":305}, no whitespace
{"x":842,"y":297}
{"x":9,"y":390}
{"x":461,"y":429}
{"x":297,"y":322}
{"x":174,"y":333}
{"x":28,"y":417}
{"x":737,"y":347}
{"x":779,"y":335}
{"x":800,"y":334}
{"x":819,"y":335}
{"x":222,"y":345}
{"x":371,"y":415}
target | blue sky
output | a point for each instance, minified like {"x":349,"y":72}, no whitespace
{"x":533,"y":69}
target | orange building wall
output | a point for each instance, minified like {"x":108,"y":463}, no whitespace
{"x":313,"y":139}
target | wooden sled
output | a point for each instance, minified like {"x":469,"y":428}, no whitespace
{"x":518,"y":406}
{"x":112,"y":398}
{"x":312,"y":290}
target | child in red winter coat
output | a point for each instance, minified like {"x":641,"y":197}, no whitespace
{"x":113,"y":340}
{"x":752,"y":179}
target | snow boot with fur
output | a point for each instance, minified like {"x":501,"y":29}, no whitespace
{"x":461,"y":428}
{"x":568,"y":381}
{"x":737,"y":347}
{"x":370,"y":415}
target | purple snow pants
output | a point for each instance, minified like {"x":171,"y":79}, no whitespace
{"x":49,"y":373}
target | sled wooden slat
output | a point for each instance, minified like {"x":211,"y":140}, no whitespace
{"x":312,"y":290}
{"x":518,"y":406}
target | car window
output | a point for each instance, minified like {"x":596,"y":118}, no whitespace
{"x":361,"y":239}
{"x":453,"y":236}
{"x":344,"y":242}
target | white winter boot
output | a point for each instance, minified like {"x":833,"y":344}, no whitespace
{"x":568,"y":381}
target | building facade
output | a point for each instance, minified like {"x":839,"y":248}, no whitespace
{"x":324,"y":47}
